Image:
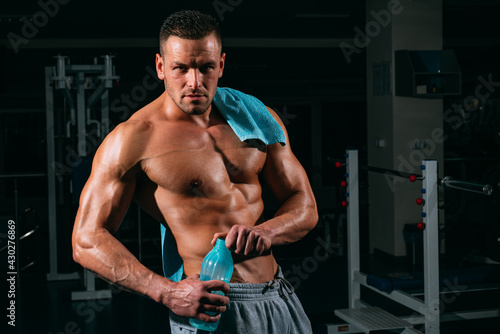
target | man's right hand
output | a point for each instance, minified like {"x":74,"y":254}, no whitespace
{"x":192,"y":298}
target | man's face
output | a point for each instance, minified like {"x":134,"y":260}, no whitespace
{"x":191,"y":70}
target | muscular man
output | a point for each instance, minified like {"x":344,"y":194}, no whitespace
{"x":183,"y":164}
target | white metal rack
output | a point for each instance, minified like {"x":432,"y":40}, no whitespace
{"x":365,"y":318}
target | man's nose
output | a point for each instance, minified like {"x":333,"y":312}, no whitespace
{"x":194,"y":78}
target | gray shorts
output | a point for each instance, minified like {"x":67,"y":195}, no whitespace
{"x":267,"y":308}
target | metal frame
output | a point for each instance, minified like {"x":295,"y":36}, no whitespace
{"x":353,"y":262}
{"x":56,"y":77}
{"x":51,"y":183}
{"x":431,"y":246}
{"x":428,"y":309}
{"x":93,"y":43}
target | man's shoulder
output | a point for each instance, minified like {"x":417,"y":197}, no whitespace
{"x":128,"y":132}
{"x":125,"y":143}
{"x":133,"y":128}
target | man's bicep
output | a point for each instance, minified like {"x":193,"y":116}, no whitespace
{"x":283,"y":173}
{"x":111,"y":185}
{"x":105,"y":197}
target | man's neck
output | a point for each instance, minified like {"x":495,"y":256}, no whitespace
{"x":174,"y":112}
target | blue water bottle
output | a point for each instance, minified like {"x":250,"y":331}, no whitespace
{"x":217,"y":265}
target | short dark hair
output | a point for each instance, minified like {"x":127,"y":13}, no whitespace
{"x":189,"y":24}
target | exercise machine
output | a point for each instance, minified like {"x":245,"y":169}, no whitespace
{"x":365,"y":318}
{"x":72,"y":82}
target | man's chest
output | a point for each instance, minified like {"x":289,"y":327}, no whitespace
{"x":194,"y":161}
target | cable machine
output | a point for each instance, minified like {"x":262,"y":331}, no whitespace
{"x":82,"y":87}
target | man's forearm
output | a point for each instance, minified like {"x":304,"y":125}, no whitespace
{"x":103,"y":254}
{"x":189,"y":297}
{"x":294,"y":219}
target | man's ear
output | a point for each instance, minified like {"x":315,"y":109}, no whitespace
{"x":221,"y":64}
{"x":160,"y":67}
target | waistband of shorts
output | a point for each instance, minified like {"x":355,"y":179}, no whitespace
{"x":257,"y":291}
{"x":248,"y":291}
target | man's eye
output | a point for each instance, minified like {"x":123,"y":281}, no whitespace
{"x":206,"y":68}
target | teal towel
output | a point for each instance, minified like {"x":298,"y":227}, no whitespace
{"x":248,"y":116}
{"x":173,"y":267}
{"x":249,"y":119}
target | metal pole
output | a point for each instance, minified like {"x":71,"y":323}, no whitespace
{"x":484,"y":189}
{"x":51,"y":182}
{"x":431,"y":246}
{"x":105,"y":113}
{"x":353,"y":261}
{"x":80,"y":114}
{"x":51,"y":176}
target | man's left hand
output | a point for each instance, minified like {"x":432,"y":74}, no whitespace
{"x":244,"y":240}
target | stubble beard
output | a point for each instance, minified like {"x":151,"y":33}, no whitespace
{"x":194,"y":108}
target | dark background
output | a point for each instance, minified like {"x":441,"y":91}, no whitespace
{"x":294,"y":78}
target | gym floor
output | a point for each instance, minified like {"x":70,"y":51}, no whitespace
{"x":321,"y":284}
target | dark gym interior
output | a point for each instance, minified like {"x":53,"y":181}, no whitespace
{"x":308,"y":62}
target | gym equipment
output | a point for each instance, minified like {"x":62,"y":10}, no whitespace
{"x":448,"y":182}
{"x":365,"y":318}
{"x":19,"y":235}
{"x":66,"y":79}
{"x":15,"y":177}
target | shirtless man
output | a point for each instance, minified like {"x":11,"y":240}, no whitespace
{"x":183,"y":164}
